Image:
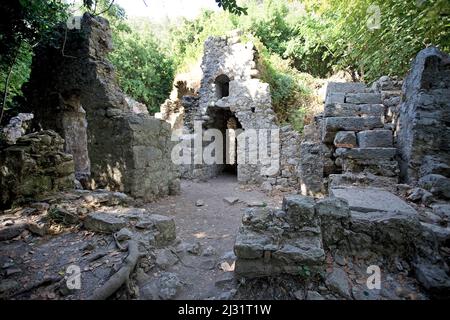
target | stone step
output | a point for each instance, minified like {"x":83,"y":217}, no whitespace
{"x":353,"y":110}
{"x":364,"y":179}
{"x":346,"y":87}
{"x":334,"y":98}
{"x":371,"y":200}
{"x":334,"y":124}
{"x":262,"y":251}
{"x":366,"y":153}
{"x":363,"y":98}
{"x":258,"y":256}
{"x":386,"y":168}
{"x":375,"y":139}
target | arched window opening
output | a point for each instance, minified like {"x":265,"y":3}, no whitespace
{"x":222,"y":83}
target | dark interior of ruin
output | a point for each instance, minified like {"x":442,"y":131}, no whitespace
{"x":223,"y":119}
{"x":222,"y":86}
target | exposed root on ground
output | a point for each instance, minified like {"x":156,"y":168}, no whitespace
{"x":122,"y":276}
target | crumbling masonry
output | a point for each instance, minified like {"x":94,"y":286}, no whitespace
{"x":115,"y":144}
{"x":232,"y":97}
{"x":359,"y":152}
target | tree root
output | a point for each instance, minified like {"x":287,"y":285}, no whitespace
{"x":120,"y":277}
{"x":44,"y":282}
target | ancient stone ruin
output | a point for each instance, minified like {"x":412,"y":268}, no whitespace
{"x":231,"y":96}
{"x":84,"y":178}
{"x":352,"y":153}
{"x":114,"y":143}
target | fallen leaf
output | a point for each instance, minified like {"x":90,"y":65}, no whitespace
{"x":225,"y":266}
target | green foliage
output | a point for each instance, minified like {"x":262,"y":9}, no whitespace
{"x":144,"y":70}
{"x":187,"y":38}
{"x":27,"y":21}
{"x":304,"y":272}
{"x":291,"y":90}
{"x":19,"y":75}
{"x":297,"y":40}
{"x":405,"y":28}
{"x":231,"y":6}
{"x":23,"y":25}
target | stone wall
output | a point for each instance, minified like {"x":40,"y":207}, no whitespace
{"x":302,"y":236}
{"x":184,"y":85}
{"x":381,"y":135}
{"x":33,"y":167}
{"x":115,"y":144}
{"x":391,"y":95}
{"x":424,"y":120}
{"x":230,"y":87}
{"x":352,"y":142}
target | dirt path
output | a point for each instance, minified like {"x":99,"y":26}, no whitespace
{"x":214,"y":226}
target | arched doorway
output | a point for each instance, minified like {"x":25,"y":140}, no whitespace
{"x":223,"y":119}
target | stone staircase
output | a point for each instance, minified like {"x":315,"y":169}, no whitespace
{"x":354,"y":129}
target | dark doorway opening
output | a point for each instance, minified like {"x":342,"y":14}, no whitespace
{"x":222,"y":83}
{"x":223,"y":119}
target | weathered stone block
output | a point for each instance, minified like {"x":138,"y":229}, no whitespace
{"x":352,"y":123}
{"x":435,"y":164}
{"x":367,"y":153}
{"x":363,"y":98}
{"x":363,"y":179}
{"x":34,"y":166}
{"x":345,"y":139}
{"x":333,"y":207}
{"x":335,"y":97}
{"x":300,"y":210}
{"x":250,"y":245}
{"x":423,"y":119}
{"x":371,"y":200}
{"x":311,"y":168}
{"x":338,"y":282}
{"x":433,"y":278}
{"x":379,"y":167}
{"x":375,"y":139}
{"x":346,"y":87}
{"x":165,"y":227}
{"x":103,"y":222}
{"x":10,"y":232}
{"x":387,"y":233}
{"x":289,"y":258}
{"x":63,"y":216}
{"x":307,"y":251}
{"x":352,"y":110}
{"x":263,"y":251}
{"x":442,"y":209}
{"x":334,"y":216}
